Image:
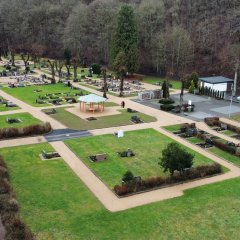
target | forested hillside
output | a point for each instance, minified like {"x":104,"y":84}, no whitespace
{"x":174,"y":36}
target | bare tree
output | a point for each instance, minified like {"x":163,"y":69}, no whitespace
{"x":53,"y":72}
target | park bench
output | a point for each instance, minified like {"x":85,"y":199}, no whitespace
{"x":98,"y":157}
{"x":49,"y":155}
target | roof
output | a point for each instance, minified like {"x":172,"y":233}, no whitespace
{"x":216,"y":80}
{"x":92,"y":98}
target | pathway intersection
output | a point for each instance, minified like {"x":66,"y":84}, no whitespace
{"x":98,"y":188}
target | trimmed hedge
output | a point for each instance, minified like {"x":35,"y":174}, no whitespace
{"x":167,"y":107}
{"x":14,"y":227}
{"x":153,"y":182}
{"x":37,"y":129}
{"x":166,"y":101}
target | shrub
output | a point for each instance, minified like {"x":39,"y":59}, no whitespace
{"x":128,"y":176}
{"x":122,"y":190}
{"x":166,"y":101}
{"x":96,"y":68}
{"x":26,"y":131}
{"x":212,"y":121}
{"x":175,"y":158}
{"x":167,"y":107}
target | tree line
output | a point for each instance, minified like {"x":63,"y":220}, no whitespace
{"x":169,"y":37}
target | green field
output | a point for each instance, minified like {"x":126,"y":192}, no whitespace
{"x":3,"y":107}
{"x":57,"y":205}
{"x":217,"y":151}
{"x":72,"y":121}
{"x":152,"y":80}
{"x":26,"y":118}
{"x":29,"y":94}
{"x":147,"y":144}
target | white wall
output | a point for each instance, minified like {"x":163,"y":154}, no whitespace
{"x":217,"y":87}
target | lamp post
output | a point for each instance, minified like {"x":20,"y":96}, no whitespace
{"x":230,"y":107}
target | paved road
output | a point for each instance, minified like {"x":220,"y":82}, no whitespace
{"x":63,"y":134}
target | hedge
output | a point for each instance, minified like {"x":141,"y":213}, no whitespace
{"x":166,"y":101}
{"x":37,"y":129}
{"x":153,"y":182}
{"x":167,"y":107}
{"x":14,"y":227}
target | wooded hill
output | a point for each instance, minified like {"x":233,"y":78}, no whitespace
{"x":201,"y":33}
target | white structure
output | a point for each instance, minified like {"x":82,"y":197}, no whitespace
{"x":120,"y":133}
{"x":93,"y":101}
{"x":217,"y":83}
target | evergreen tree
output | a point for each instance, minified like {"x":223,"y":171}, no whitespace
{"x":125,"y":39}
{"x":165,"y":89}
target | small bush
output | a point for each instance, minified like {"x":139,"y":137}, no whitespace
{"x":166,"y":101}
{"x":167,"y":107}
{"x":96,"y":68}
{"x":212,"y":121}
{"x":122,"y":190}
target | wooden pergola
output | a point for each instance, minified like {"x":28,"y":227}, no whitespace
{"x":92,"y":102}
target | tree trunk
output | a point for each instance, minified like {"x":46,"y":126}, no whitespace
{"x":75,"y":72}
{"x":182,"y":92}
{"x":68,"y":70}
{"x":13,"y":58}
{"x":52,"y":66}
{"x":104,"y":84}
{"x":121,"y":86}
{"x":235,"y":80}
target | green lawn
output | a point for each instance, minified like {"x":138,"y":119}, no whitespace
{"x":3,"y":107}
{"x":72,"y":121}
{"x":57,"y":205}
{"x":236,"y":117}
{"x":228,"y":132}
{"x":223,"y":154}
{"x":147,"y":144}
{"x":29,"y":94}
{"x":26,"y":118}
{"x":217,"y":151}
{"x":152,"y":80}
{"x":173,"y":128}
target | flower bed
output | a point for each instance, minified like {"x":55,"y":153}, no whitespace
{"x":158,"y":182}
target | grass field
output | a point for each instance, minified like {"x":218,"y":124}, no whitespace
{"x":26,"y":118}
{"x":147,"y":144}
{"x":3,"y":107}
{"x":29,"y":94}
{"x":152,"y":80}
{"x":72,"y":121}
{"x":217,"y":151}
{"x":236,"y":117}
{"x":57,"y":205}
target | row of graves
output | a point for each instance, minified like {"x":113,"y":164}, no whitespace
{"x":207,"y":140}
{"x":7,"y":104}
{"x":216,"y":124}
{"x":27,"y":80}
{"x":60,"y":98}
{"x":113,"y":85}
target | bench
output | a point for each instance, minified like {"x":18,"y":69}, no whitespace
{"x":98,"y":157}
